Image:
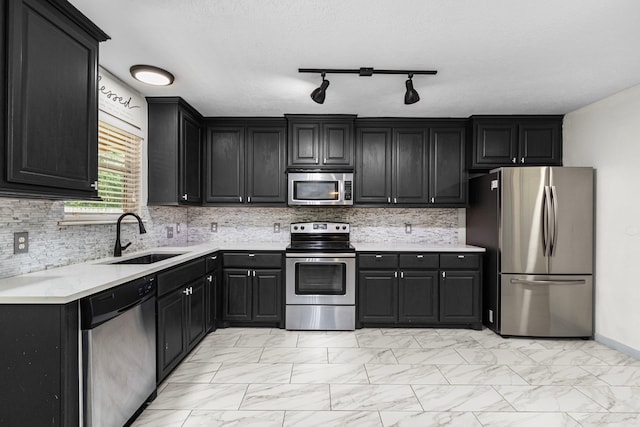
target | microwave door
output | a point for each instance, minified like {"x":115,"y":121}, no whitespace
{"x":316,"y":190}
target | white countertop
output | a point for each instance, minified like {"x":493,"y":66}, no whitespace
{"x":70,"y":283}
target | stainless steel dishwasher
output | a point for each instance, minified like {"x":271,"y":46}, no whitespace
{"x":119,"y":352}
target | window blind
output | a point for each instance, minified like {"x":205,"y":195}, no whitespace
{"x":118,"y":174}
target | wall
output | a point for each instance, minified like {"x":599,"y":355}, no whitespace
{"x":605,"y":135}
{"x":53,"y":245}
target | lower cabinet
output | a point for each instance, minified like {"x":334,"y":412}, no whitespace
{"x":415,"y":289}
{"x":181,"y":313}
{"x":252,"y":288}
{"x":213,"y":292}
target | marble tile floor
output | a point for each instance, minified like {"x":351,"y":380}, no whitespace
{"x":396,"y":377}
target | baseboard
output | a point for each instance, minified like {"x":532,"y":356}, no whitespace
{"x":630,"y":351}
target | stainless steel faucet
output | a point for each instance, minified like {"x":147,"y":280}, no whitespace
{"x":117,"y":250}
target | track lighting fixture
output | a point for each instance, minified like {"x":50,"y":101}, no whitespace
{"x":410,"y":97}
{"x":320,"y":92}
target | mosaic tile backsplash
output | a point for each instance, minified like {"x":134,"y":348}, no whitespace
{"x":54,"y":245}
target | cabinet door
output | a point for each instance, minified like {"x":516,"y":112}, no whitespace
{"x":540,"y":143}
{"x":460,"y":297}
{"x":266,"y":154}
{"x":495,"y":144}
{"x":378,"y":296}
{"x":410,"y":166}
{"x":196,"y":322}
{"x":373,"y":166}
{"x":225,"y":166}
{"x":52,"y":138}
{"x":448,"y":176}
{"x":236,"y":295}
{"x":337,"y":144}
{"x":267,"y":295}
{"x":190,"y":160}
{"x":211,"y":286}
{"x":304,"y":144}
{"x":171,"y":332}
{"x":418,"y":297}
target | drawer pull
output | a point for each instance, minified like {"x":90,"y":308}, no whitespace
{"x":252,"y":254}
{"x":378,"y":256}
{"x":215,"y":257}
{"x":419,"y":256}
{"x":461,"y":256}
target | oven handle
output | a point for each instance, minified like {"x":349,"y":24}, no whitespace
{"x":320,"y":255}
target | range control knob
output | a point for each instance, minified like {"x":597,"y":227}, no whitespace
{"x":295,"y":227}
{"x":302,"y":227}
{"x":337,"y":227}
{"x":344,"y":227}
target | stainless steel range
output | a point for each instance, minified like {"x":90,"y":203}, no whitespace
{"x":320,"y":277}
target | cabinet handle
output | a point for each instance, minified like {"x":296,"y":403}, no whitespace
{"x":252,"y":254}
{"x":522,"y":160}
{"x":461,"y":256}
{"x":186,"y":291}
{"x":388,"y":199}
{"x":444,"y":274}
{"x":209,"y":279}
{"x":325,"y":160}
{"x":248,"y":199}
{"x":402,"y":274}
{"x":94,"y":185}
{"x":248,"y":273}
{"x":378,"y":256}
{"x":419,"y":256}
{"x":513,"y":160}
{"x":240,"y":199}
{"x":433,"y":200}
{"x":215,"y":257}
{"x":395,"y":200}
{"x":395,"y":274}
{"x":254,"y":273}
{"x":185,"y":197}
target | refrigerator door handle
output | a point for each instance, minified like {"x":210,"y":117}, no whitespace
{"x":546,"y":282}
{"x":554,"y":233}
{"x":546,"y":205}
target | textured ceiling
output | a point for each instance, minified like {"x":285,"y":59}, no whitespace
{"x":241,"y":57}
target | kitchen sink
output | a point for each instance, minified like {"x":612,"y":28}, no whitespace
{"x":147,"y":259}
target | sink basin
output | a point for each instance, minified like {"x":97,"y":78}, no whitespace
{"x":147,"y":259}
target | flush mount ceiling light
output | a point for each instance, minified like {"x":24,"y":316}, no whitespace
{"x":151,"y":75}
{"x":410,"y":97}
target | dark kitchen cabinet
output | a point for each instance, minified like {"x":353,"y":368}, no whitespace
{"x":419,"y":289}
{"x":40,"y":365}
{"x":181,"y":313}
{"x":49,"y":144}
{"x":252,"y":288}
{"x":515,"y":141}
{"x":213,"y":291}
{"x":174,"y":152}
{"x":245,"y":162}
{"x":411,"y":163}
{"x":320,"y":142}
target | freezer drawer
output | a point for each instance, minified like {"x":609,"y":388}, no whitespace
{"x":546,"y":306}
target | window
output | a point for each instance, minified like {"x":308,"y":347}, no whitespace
{"x":118,"y":177}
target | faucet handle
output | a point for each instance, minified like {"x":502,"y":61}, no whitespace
{"x":126,"y":246}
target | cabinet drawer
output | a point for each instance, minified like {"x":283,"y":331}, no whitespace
{"x":464,"y":261}
{"x":419,"y":261}
{"x":212,"y":261}
{"x":378,"y":260}
{"x":179,"y":276}
{"x":253,"y":260}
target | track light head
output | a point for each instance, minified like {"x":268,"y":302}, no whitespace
{"x":411,"y":95}
{"x":319,"y":93}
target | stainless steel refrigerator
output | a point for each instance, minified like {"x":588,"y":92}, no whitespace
{"x":537,"y":226}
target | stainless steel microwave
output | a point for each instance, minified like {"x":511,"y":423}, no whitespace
{"x":320,"y":189}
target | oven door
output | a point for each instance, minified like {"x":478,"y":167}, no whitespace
{"x":321,"y":279}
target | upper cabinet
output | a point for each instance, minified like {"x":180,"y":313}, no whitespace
{"x":50,"y":92}
{"x":175,"y":146}
{"x":410,"y":163}
{"x":245,"y":162}
{"x":320,"y":141}
{"x":516,"y":141}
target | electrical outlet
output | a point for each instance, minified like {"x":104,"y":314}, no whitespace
{"x":21,"y":242}
{"x":178,"y":227}
{"x":276,"y":227}
{"x":169,"y":232}
{"x":407,"y":228}
{"x":214,"y":227}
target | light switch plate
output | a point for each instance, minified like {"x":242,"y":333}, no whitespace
{"x":169,"y":232}
{"x":407,"y":228}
